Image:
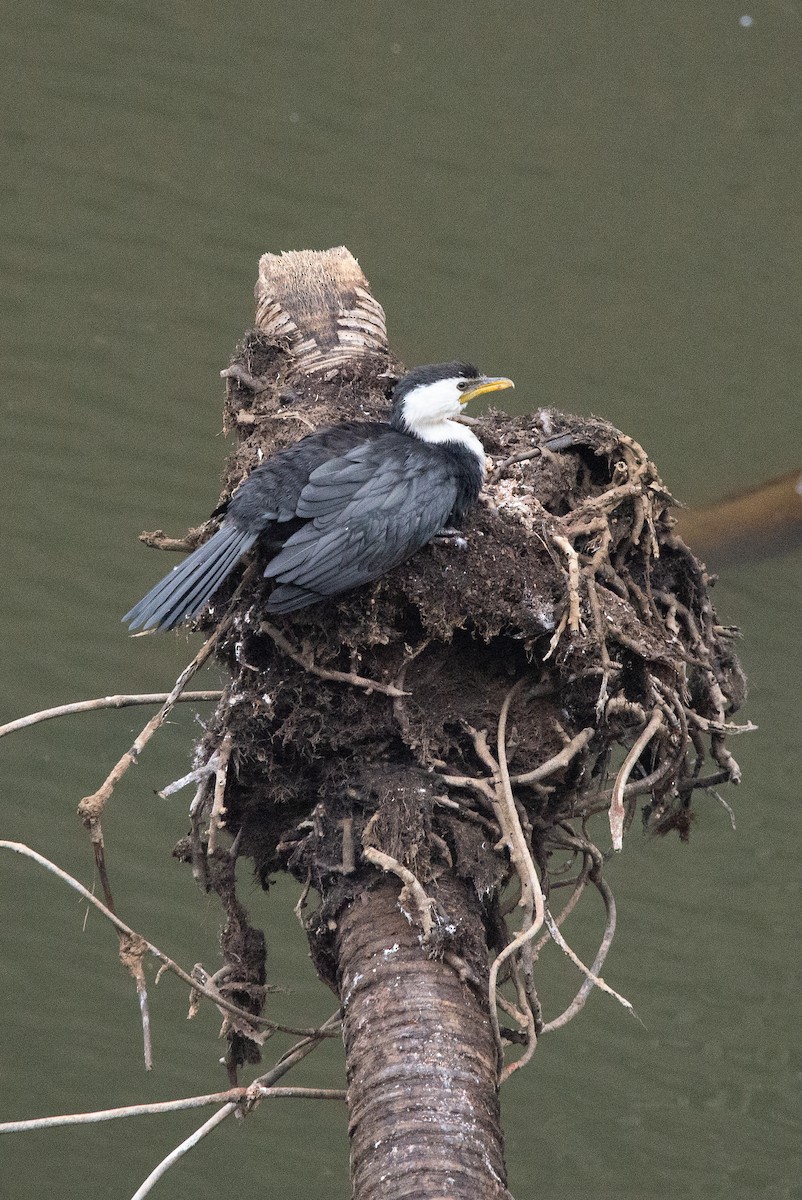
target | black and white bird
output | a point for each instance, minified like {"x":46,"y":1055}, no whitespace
{"x":344,"y":505}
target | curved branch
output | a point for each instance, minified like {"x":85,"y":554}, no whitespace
{"x":579,"y":999}
{"x":164,"y":1166}
{"x":412,"y":887}
{"x":559,"y":760}
{"x":521,"y":857}
{"x":617,"y":802}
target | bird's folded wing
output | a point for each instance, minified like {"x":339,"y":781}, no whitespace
{"x":367,"y":512}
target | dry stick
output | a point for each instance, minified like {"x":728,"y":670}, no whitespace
{"x":196,"y":776}
{"x":591,"y":978}
{"x":399,"y":708}
{"x":542,"y":913}
{"x":617,"y":811}
{"x":267,"y":1080}
{"x":521,"y":456}
{"x":598,"y":626}
{"x":710,"y":726}
{"x":91,"y":807}
{"x":132,"y":951}
{"x":164,"y":1166}
{"x":571,"y":903}
{"x":157,"y":539}
{"x":233,"y":1095}
{"x":81,"y":706}
{"x":531,"y":1022}
{"x":640,"y":787}
{"x":369,"y":685}
{"x":555,"y":637}
{"x":169,"y":964}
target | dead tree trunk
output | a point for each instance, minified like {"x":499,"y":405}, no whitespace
{"x":426,"y":752}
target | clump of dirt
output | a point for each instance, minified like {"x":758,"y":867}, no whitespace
{"x":370,"y":719}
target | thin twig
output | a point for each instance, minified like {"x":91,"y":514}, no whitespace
{"x":579,"y":999}
{"x":133,"y":949}
{"x":217,"y":817}
{"x":197,"y":776}
{"x":92,"y":806}
{"x":521,"y":456}
{"x":308,"y":663}
{"x":164,"y":1166}
{"x":521,"y":858}
{"x":232,"y":1095}
{"x":571,"y":903}
{"x":591,"y":977}
{"x":82,"y":706}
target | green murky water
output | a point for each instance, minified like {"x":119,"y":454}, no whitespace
{"x":601,"y":201}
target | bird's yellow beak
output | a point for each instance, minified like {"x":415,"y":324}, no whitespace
{"x":485,"y":384}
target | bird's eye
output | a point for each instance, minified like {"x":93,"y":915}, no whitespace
{"x":462,"y":386}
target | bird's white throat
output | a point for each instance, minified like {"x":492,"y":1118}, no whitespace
{"x":428,"y":413}
{"x":445,"y":431}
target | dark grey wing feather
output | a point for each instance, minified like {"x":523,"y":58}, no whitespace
{"x":271,"y":491}
{"x":268,"y":497}
{"x":183,"y":593}
{"x":369,"y":511}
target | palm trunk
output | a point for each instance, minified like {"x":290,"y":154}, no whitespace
{"x":420,"y":1056}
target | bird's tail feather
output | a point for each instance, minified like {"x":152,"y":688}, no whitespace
{"x":184,"y":592}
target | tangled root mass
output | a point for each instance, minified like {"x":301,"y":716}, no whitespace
{"x":370,"y":719}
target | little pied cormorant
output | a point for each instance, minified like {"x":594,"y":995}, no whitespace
{"x":344,"y":505}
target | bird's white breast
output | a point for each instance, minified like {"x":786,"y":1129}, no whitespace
{"x":443,"y":432}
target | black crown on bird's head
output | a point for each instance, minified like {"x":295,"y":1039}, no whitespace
{"x":421,"y":376}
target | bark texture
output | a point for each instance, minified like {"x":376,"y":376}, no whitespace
{"x":422,"y":1063}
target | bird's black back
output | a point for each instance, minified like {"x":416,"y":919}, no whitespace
{"x":272,"y":490}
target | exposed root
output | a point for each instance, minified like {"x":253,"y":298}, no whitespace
{"x":589,"y":974}
{"x":617,"y":811}
{"x":574,"y":619}
{"x":413,"y":901}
